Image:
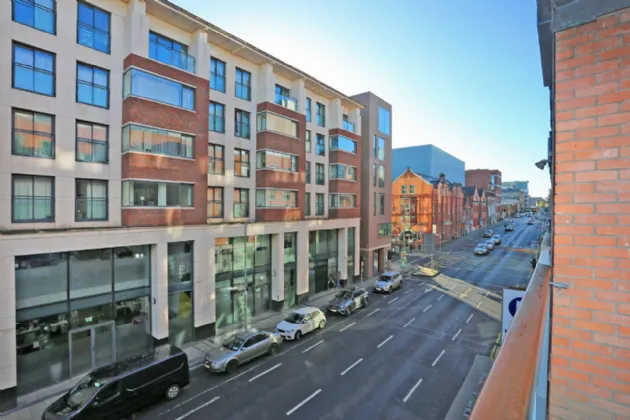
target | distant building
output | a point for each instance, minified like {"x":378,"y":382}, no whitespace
{"x":428,"y":160}
{"x":489,"y":180}
{"x":509,"y":186}
{"x":475,"y":208}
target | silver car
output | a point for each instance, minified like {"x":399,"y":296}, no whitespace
{"x":388,"y":282}
{"x":489,"y":244}
{"x":242,"y":348}
{"x":348,"y":300}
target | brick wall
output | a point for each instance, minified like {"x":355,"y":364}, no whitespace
{"x":590,"y":355}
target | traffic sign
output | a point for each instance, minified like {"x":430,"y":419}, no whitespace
{"x":512,"y":298}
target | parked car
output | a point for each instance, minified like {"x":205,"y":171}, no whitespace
{"x":348,"y":301}
{"x":242,"y":348}
{"x":509,"y":227}
{"x":490,"y":244}
{"x":120,"y":389}
{"x":481,"y":249}
{"x":388,"y":282}
{"x":488,"y":233}
{"x":496,"y":239}
{"x":530,"y":221}
{"x":301,"y":321}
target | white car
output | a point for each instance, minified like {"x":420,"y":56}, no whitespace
{"x":301,"y":321}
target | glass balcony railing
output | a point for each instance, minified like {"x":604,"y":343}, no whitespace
{"x":171,"y":57}
{"x":241,"y":209}
{"x":287,"y":102}
{"x":348,"y":126}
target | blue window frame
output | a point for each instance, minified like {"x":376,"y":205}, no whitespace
{"x":93,"y":27}
{"x":384,"y":121}
{"x":170,"y":52}
{"x":217,"y":75}
{"x":33,"y":70}
{"x":92,"y":85}
{"x":243,"y":88}
{"x":217,"y":117}
{"x":320,"y":145}
{"x":159,"y":89}
{"x":308,"y":110}
{"x":38,"y":14}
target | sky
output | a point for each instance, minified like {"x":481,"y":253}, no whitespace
{"x":463,"y":75}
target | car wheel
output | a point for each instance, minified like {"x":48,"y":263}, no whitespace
{"x":348,"y":311}
{"x":273,"y":349}
{"x":298,"y":335}
{"x":365,"y":303}
{"x":231,"y":366}
{"x":172,"y":392}
{"x":322,"y":324}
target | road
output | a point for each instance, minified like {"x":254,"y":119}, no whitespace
{"x":403,"y":357}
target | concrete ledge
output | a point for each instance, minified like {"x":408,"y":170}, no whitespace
{"x":465,"y":400}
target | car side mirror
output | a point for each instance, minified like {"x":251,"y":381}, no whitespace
{"x":304,"y":321}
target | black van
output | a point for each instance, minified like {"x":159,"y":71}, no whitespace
{"x":120,"y":389}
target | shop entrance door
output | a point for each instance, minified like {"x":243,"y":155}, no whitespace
{"x":91,"y":347}
{"x":290,"y":287}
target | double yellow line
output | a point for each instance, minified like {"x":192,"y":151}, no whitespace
{"x":495,"y":347}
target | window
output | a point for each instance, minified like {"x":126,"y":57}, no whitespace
{"x":170,"y":52}
{"x":241,"y":202}
{"x":91,"y":200}
{"x":381,"y":200}
{"x":347,"y":125}
{"x":215,"y":202}
{"x":276,"y":198}
{"x":338,"y":142}
{"x":216,"y":160}
{"x":339,"y":201}
{"x":381,"y":176}
{"x":243,"y":84}
{"x":270,"y":159}
{"x":320,"y":110}
{"x":403,"y":189}
{"x":319,"y":204}
{"x":309,"y":111}
{"x":308,"y":172}
{"x":381,"y":149}
{"x":33,"y":70}
{"x":33,"y":199}
{"x":156,"y":194}
{"x":412,"y":189}
{"x":217,"y":75}
{"x":374,"y":174}
{"x":374,"y":204}
{"x":384,"y":121}
{"x":92,"y":85}
{"x":374,"y":145}
{"x":93,"y":27}
{"x":241,"y":124}
{"x":267,"y":121}
{"x":320,"y":146}
{"x":92,"y":143}
{"x":308,"y":141}
{"x":307,"y":204}
{"x":241,"y":163}
{"x":139,"y":138}
{"x":320,"y":175}
{"x":38,"y":14}
{"x":145,"y":85}
{"x":284,"y":99}
{"x":341,"y":171}
{"x":216,"y":117}
{"x":33,"y":134}
{"x":384,"y":229}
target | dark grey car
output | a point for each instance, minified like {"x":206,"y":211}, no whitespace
{"x":348,"y":301}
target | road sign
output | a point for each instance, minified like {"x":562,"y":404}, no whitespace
{"x":512,"y":298}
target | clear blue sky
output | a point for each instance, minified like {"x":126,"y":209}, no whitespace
{"x":461,"y":74}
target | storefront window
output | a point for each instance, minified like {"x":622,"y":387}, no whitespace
{"x":351,"y":233}
{"x":223,"y":309}
{"x":90,"y":273}
{"x":132,"y":267}
{"x":324,"y":261}
{"x":180,"y":262}
{"x":263,"y":250}
{"x":133,"y":327}
{"x":180,"y":318}
{"x":41,"y":279}
{"x":289,"y":247}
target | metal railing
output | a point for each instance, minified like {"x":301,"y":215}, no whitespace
{"x":348,"y":126}
{"x":287,"y":102}
{"x":516,"y":388}
{"x":172,"y":57}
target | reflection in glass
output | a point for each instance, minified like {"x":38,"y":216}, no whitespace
{"x":132,"y":267}
{"x":90,"y":273}
{"x":41,"y":279}
{"x":180,"y":318}
{"x":180,"y":262}
{"x":133,"y":327}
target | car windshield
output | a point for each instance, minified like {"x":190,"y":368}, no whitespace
{"x":385,"y":278}
{"x":233,"y":343}
{"x":481,"y":246}
{"x":345,"y":294}
{"x":294,"y":318}
{"x":83,"y":391}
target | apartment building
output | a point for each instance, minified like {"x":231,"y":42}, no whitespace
{"x":376,"y":181}
{"x":164,"y":180}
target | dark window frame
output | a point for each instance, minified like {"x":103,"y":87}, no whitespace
{"x":76,"y":200}
{"x":238,"y":123}
{"x":34,"y":69}
{"x":308,"y":144}
{"x":220,"y":201}
{"x":247,"y":164}
{"x":92,"y":84}
{"x":323,"y":204}
{"x":214,"y":116}
{"x":242,"y":192}
{"x":320,"y":175}
{"x":35,"y":5}
{"x":309,"y":109}
{"x":308,"y":171}
{"x":183,"y":50}
{"x":90,"y":141}
{"x":217,"y":75}
{"x":32,"y":197}
{"x":109,"y":26}
{"x":320,"y":118}
{"x":215,"y":159}
{"x":13,"y":130}
{"x":307,"y":204}
{"x":319,"y":144}
{"x":239,"y":83}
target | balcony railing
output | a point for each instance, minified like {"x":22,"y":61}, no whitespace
{"x":516,"y":388}
{"x":172,"y":57}
{"x":287,"y":102}
{"x":348,"y":126}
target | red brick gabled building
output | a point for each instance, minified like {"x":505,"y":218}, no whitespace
{"x":476,"y":209}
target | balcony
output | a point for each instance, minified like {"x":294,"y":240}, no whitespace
{"x":348,"y":126}
{"x":287,"y":102}
{"x":516,"y":388}
{"x":172,"y":57}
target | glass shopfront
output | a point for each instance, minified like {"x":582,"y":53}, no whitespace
{"x":351,"y":262}
{"x":180,"y":293}
{"x":79,"y":310}
{"x":323,"y":263}
{"x":290,"y":270}
{"x":242,"y":278}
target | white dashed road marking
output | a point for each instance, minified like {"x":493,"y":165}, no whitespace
{"x":351,"y":366}
{"x":346,"y":327}
{"x":318,"y":343}
{"x":266,"y":372}
{"x":438,"y":358}
{"x":456,"y":334}
{"x":427,"y":308}
{"x":407,"y":324}
{"x":373,"y":312}
{"x":385,"y":341}
{"x":310,"y":397}
{"x":469,"y":318}
{"x":393,"y":300}
{"x":412,"y":389}
{"x":194,"y":410}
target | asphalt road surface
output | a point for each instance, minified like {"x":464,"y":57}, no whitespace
{"x":403,"y":357}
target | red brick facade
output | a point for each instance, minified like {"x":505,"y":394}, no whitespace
{"x":147,"y":166}
{"x":590,"y":344}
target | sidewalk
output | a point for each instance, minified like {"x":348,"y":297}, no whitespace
{"x":31,"y":406}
